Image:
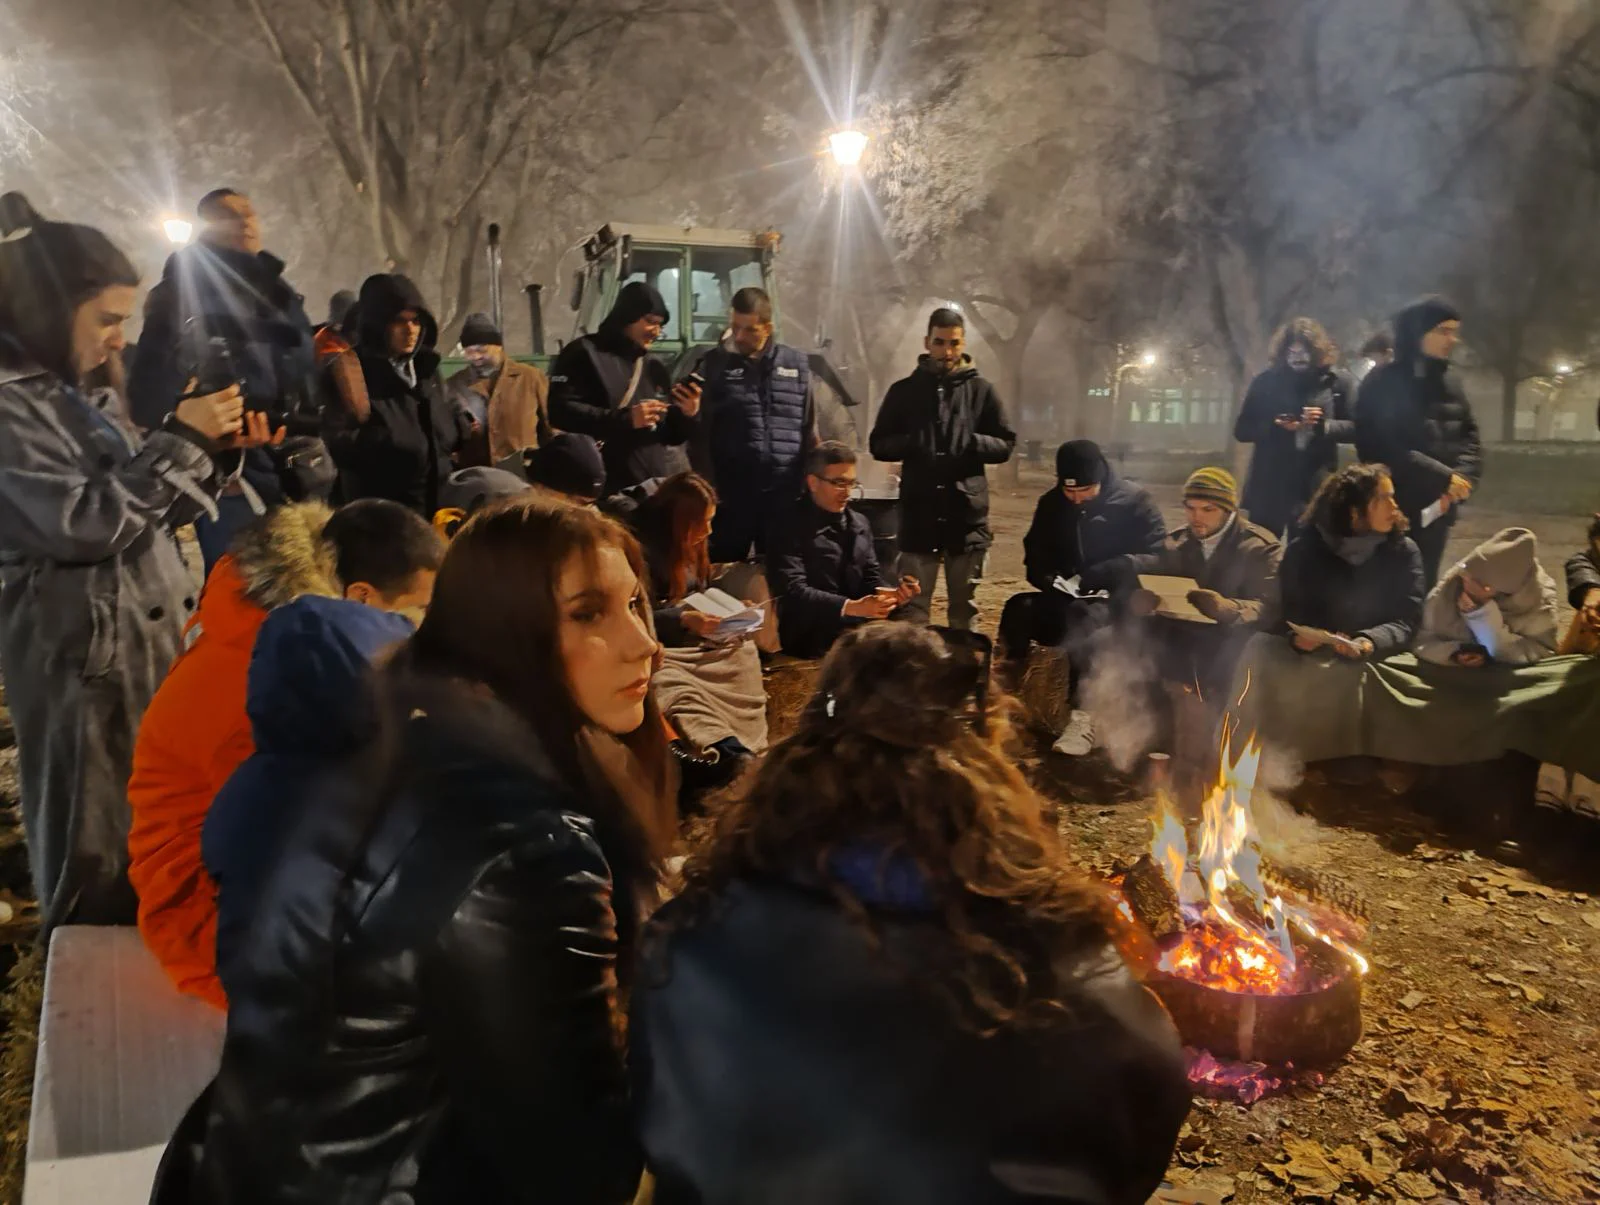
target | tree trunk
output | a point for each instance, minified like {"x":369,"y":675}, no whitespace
{"x":1508,"y":405}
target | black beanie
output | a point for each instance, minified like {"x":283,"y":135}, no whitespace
{"x":479,"y":330}
{"x":1080,"y":462}
{"x":634,"y":302}
{"x":569,"y":464}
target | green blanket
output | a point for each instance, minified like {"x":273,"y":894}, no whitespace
{"x":1315,"y":708}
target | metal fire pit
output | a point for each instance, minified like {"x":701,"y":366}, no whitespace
{"x":1310,"y":1029}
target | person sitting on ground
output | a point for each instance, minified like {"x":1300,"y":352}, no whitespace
{"x":469,"y":491}
{"x":1495,"y":607}
{"x":1082,"y":532}
{"x":1583,"y":593}
{"x":1234,"y":565}
{"x":509,"y":401}
{"x":448,"y":931}
{"x":1352,"y":572}
{"x":822,"y":565}
{"x":882,"y":915}
{"x":308,"y":709}
{"x":197,"y":731}
{"x":709,"y":689}
{"x":607,"y":385}
{"x":396,"y":437}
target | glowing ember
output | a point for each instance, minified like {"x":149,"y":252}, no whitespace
{"x":1237,"y":937}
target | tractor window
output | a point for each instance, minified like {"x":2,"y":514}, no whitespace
{"x":716,"y":274}
{"x":660,"y":268}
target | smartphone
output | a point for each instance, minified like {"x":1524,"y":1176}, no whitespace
{"x":695,"y":380}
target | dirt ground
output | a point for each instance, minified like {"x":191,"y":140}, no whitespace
{"x":1478,"y":1078}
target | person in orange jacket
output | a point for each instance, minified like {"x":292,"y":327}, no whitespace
{"x":196,"y":733}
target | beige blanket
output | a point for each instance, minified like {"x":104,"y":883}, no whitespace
{"x":709,"y":694}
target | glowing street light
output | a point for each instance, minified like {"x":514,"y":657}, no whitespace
{"x":847,"y":147}
{"x":1149,"y":360}
{"x":179,"y":232}
{"x":1563,"y":370}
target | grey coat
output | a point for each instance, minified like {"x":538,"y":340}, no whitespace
{"x":93,"y":597}
{"x":1519,"y":621}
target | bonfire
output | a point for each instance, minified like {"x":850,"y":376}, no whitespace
{"x":1256,"y":963}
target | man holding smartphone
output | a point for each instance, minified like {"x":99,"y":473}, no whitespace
{"x":759,"y":424}
{"x":608,"y":386}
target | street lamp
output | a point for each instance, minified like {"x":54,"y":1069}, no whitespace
{"x":1148,"y":360}
{"x":178,"y":231}
{"x":1563,"y":370}
{"x":847,"y":147}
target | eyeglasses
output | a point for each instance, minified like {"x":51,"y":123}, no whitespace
{"x":839,"y":483}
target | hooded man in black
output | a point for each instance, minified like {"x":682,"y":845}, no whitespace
{"x":397,"y":442}
{"x":942,"y":425}
{"x":606,"y":385}
{"x":1413,"y":415}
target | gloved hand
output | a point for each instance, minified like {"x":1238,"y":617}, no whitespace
{"x":1213,"y":606}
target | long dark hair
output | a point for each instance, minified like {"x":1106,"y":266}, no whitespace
{"x":1349,"y":492}
{"x":890,"y":755}
{"x":1324,"y":351}
{"x":669,"y":520}
{"x":48,"y":270}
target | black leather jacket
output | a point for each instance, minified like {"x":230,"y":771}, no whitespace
{"x":436,"y":1024}
{"x":780,"y":1054}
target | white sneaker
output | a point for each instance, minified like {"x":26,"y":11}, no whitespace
{"x":1077,"y":739}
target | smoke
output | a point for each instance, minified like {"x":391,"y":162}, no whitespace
{"x":1116,"y":692}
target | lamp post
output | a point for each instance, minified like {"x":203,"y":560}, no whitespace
{"x":1148,"y":359}
{"x":847,"y":146}
{"x":178,"y":231}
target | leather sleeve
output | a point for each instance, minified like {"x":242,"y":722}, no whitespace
{"x":520,"y":995}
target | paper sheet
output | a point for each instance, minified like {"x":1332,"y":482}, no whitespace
{"x":1325,"y":639}
{"x":736,"y":619}
{"x":1073,"y":588}
{"x":1174,"y":595}
{"x":1432,"y":514}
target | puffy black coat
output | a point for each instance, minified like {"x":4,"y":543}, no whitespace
{"x":758,"y":418}
{"x":425,"y":1010}
{"x":816,"y":562}
{"x":781,"y":1054}
{"x":1283,"y":475}
{"x":403,"y":451}
{"x":1095,"y":539}
{"x":1413,"y":415}
{"x":590,"y":378}
{"x":1380,"y":599}
{"x":942,"y":429}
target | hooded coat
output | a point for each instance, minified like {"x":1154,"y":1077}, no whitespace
{"x":402,"y":449}
{"x":1342,"y":586}
{"x":426,"y":1009}
{"x":779,"y":1039}
{"x":196,"y":733}
{"x":1286,"y":469}
{"x":93,"y":598}
{"x":594,"y":376}
{"x":942,"y":429}
{"x":1413,"y":415}
{"x":1517,"y":626}
{"x":307,"y":711}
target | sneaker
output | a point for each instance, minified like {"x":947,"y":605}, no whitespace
{"x":1077,"y":739}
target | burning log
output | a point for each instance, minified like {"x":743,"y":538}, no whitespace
{"x":1152,"y":899}
{"x":1316,"y":888}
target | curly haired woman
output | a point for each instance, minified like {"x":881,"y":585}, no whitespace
{"x":1296,"y":413}
{"x":883,"y":981}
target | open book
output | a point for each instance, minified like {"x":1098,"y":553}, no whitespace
{"x":737,"y":620}
{"x":1073,"y":588}
{"x":1174,"y":595}
{"x":1324,"y":639}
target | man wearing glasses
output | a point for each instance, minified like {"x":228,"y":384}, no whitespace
{"x":943,"y":424}
{"x":821,"y":563}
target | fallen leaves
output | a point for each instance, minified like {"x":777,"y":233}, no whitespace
{"x":1413,"y":1000}
{"x":1592,"y":919}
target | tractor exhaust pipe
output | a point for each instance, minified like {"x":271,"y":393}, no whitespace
{"x":496,"y":304}
{"x":536,"y":316}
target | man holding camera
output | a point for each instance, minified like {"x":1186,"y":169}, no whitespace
{"x":223,"y":314}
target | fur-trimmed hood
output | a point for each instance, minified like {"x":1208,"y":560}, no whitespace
{"x":284,"y":556}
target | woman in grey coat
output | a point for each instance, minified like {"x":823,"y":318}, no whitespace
{"x":93,"y":590}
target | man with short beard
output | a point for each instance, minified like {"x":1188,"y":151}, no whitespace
{"x":508,"y":401}
{"x":943,"y":424}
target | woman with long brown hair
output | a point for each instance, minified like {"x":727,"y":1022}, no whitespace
{"x":884,"y":982}
{"x":709,"y":687}
{"x":1296,"y":413}
{"x":430,"y":1007}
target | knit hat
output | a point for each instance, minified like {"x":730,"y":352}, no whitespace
{"x":1212,"y":485}
{"x":468,"y":489}
{"x":479,"y":330}
{"x":569,"y":464}
{"x":1080,"y":462}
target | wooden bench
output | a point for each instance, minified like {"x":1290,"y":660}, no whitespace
{"x":122,"y":1055}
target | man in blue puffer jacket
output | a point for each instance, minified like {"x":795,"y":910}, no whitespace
{"x":759,"y":421}
{"x":309,"y":710}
